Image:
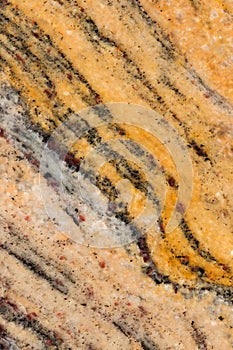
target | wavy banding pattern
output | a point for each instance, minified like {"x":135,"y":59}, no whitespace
{"x":165,"y":291}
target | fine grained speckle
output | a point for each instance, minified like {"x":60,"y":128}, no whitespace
{"x":164,"y":291}
{"x":59,"y":271}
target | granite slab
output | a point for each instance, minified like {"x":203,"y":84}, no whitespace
{"x":116,"y":159}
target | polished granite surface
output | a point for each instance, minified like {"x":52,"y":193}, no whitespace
{"x":143,"y":287}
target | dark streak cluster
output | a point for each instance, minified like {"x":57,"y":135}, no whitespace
{"x":145,"y":342}
{"x":93,"y":137}
{"x":199,"y":337}
{"x":150,"y":269}
{"x":6,"y":341}
{"x":11,"y":313}
{"x":129,"y":172}
{"x":199,"y":150}
{"x":106,"y":187}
